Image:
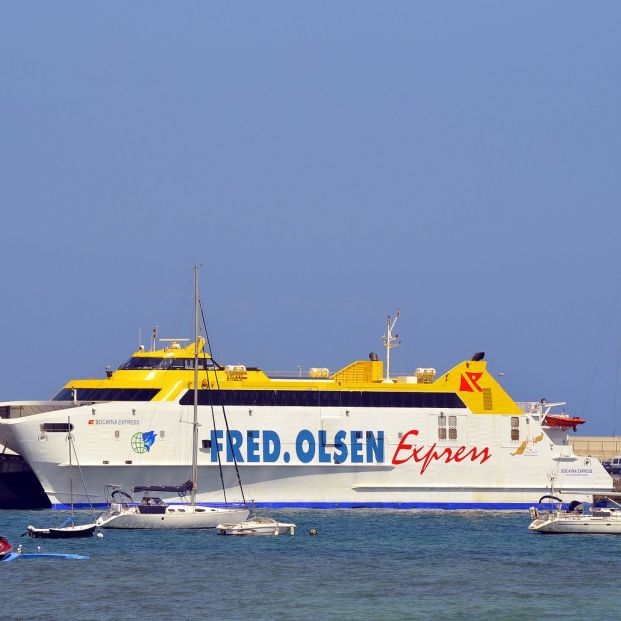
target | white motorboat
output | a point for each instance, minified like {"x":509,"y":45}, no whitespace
{"x":257,"y":526}
{"x":578,"y":518}
{"x":152,"y":512}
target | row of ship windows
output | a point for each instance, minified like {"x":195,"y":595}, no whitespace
{"x":325,"y":398}
{"x":106,"y":394}
{"x":298,"y":398}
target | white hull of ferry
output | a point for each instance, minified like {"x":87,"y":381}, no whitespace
{"x":310,"y":457}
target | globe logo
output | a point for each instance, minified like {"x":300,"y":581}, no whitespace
{"x":142,"y":441}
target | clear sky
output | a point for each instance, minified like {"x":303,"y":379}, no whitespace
{"x":325,"y":162}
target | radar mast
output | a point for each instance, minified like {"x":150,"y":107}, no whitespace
{"x":390,"y":341}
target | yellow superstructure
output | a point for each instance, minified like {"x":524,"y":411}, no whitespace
{"x":165,"y":374}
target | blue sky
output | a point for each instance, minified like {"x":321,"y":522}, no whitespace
{"x":325,"y":162}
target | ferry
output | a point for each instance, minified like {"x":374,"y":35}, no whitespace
{"x":357,"y":437}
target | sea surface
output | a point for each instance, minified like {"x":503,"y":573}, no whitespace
{"x":363,"y":564}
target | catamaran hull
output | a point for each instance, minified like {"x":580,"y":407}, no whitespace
{"x":304,"y":487}
{"x":309,"y":457}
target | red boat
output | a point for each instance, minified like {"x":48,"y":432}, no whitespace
{"x":5,"y":547}
{"x":564,"y":421}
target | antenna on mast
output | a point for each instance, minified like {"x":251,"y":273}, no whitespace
{"x":390,"y":341}
{"x":154,"y":337}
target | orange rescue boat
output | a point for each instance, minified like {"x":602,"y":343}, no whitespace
{"x":563,"y":421}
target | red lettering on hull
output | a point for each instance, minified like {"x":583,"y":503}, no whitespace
{"x":424,"y":456}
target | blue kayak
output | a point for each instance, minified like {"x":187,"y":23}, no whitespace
{"x":13,"y":555}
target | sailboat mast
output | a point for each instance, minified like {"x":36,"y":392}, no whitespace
{"x":195,"y":417}
{"x":70,"y":439}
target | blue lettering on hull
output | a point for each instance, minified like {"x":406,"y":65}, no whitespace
{"x":265,"y":446}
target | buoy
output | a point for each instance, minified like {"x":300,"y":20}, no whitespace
{"x":312,"y":532}
{"x":100,"y":535}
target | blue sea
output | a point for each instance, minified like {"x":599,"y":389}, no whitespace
{"x":363,"y":564}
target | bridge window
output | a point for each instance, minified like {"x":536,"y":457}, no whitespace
{"x":162,"y":364}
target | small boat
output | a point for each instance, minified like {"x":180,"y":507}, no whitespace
{"x":257,"y":526}
{"x":563,"y":421}
{"x":70,"y":531}
{"x":13,"y":556}
{"x":5,"y":547}
{"x":578,"y":518}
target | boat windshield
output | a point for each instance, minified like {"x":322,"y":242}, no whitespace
{"x":159,"y":364}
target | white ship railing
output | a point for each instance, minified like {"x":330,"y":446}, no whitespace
{"x":540,"y":407}
{"x":304,"y":374}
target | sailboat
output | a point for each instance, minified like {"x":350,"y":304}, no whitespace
{"x":153,"y":512}
{"x":69,"y":529}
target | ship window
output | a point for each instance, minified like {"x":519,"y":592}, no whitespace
{"x":354,"y":399}
{"x":389,"y":399}
{"x":107,"y":394}
{"x":140,"y":363}
{"x":447,"y":427}
{"x":330,"y":399}
{"x":515,"y":428}
{"x":452,"y":421}
{"x":365,"y":399}
{"x":442,"y":427}
{"x":56,"y":427}
{"x":203,"y":363}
